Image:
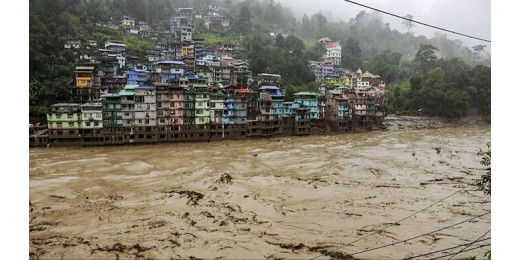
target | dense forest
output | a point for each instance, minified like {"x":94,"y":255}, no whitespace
{"x":436,"y":76}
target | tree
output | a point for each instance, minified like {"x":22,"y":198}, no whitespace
{"x":484,"y":183}
{"x":478,"y":49}
{"x":425,"y":58}
{"x":243,"y":23}
{"x":306,"y":25}
{"x":316,"y":52}
{"x":351,"y":54}
{"x":386,"y":64}
{"x":407,"y":24}
{"x":318,"y":23}
{"x":279,"y":40}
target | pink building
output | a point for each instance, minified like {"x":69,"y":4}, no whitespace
{"x":177,"y":105}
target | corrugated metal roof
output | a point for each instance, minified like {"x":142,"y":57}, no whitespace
{"x":171,"y":62}
{"x":269,"y":87}
{"x":306,"y":94}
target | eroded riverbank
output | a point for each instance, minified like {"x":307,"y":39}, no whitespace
{"x":269,"y":198}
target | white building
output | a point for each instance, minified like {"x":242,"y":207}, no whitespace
{"x":333,"y":53}
{"x":145,"y":106}
{"x":92,"y":115}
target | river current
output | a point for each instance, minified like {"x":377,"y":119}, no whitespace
{"x":291,"y":197}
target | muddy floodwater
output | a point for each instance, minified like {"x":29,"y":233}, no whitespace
{"x":294,"y":197}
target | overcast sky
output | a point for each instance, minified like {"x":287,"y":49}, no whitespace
{"x":472,"y":17}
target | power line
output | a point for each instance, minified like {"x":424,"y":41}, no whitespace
{"x":470,"y":244}
{"x":401,"y":220}
{"x":449,"y":248}
{"x":425,"y":24}
{"x":408,"y":239}
{"x":477,"y":247}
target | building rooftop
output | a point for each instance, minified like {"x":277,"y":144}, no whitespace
{"x":66,"y":105}
{"x":171,"y":62}
{"x":269,"y":87}
{"x":306,"y":94}
{"x":332,"y":45}
{"x":84,"y":68}
{"x":269,"y":75}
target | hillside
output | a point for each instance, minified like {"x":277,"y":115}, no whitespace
{"x":404,"y":61}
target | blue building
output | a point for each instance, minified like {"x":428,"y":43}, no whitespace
{"x":308,"y":100}
{"x":271,"y":102}
{"x":136,"y":77}
{"x":170,"y":70}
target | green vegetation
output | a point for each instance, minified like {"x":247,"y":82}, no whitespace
{"x":437,"y":76}
{"x":484,"y":183}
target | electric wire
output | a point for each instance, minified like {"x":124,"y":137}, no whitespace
{"x":425,"y":24}
{"x":470,"y":244}
{"x":392,"y":224}
{"x":408,"y":239}
{"x":476,"y":247}
{"x":446,"y":249}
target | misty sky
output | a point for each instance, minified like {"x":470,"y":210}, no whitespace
{"x":472,"y":17}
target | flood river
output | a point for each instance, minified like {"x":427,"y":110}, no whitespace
{"x":294,"y":197}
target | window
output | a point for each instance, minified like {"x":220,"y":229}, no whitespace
{"x":71,"y":132}
{"x":70,"y":116}
{"x":87,"y":123}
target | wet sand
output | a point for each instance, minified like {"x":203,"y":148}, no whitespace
{"x":293,"y":197}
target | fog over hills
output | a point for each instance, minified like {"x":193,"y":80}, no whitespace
{"x":472,"y":17}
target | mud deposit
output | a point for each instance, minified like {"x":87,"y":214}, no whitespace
{"x":270,"y":198}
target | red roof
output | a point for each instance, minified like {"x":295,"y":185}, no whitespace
{"x":227,"y":63}
{"x":331,"y":45}
{"x":322,"y":39}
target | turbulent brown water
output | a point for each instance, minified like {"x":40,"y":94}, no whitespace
{"x":289,"y":197}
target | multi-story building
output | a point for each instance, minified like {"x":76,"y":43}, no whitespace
{"x":264,"y":79}
{"x":163,"y":105}
{"x":118,"y":46}
{"x":91,"y":123}
{"x":145,"y":119}
{"x":296,"y":119}
{"x":327,"y":68}
{"x":205,"y":73}
{"x":127,"y":22}
{"x":189,"y":107}
{"x":170,"y":71}
{"x":91,"y":115}
{"x":145,"y":106}
{"x":176,"y":106}
{"x":115,"y":83}
{"x":128,"y":109}
{"x":113,"y":130}
{"x":186,"y":35}
{"x":271,"y":102}
{"x":333,"y":53}
{"x":308,"y":100}
{"x":64,"y":124}
{"x":136,"y":77}
{"x":87,"y":80}
{"x":216,"y":106}
{"x":202,"y":101}
{"x":241,"y":75}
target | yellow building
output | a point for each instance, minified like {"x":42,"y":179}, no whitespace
{"x":84,"y":76}
{"x":188,"y":50}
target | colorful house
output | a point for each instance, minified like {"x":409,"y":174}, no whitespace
{"x":202,"y":101}
{"x":309,"y":100}
{"x":176,"y":105}
{"x":64,"y":123}
{"x":136,"y":77}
